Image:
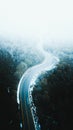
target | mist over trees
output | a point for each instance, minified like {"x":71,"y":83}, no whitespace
{"x":7,"y":69}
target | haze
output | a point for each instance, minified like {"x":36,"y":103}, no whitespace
{"x":43,"y":21}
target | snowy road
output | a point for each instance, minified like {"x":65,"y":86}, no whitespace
{"x":28,"y":79}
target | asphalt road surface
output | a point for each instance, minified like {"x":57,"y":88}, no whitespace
{"x":26,"y":81}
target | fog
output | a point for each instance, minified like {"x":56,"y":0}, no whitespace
{"x":40,"y":22}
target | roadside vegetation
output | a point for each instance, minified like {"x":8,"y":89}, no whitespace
{"x":53,"y":95}
{"x":9,"y":118}
{"x":13,"y":63}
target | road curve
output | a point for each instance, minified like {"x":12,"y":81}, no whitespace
{"x":26,"y":81}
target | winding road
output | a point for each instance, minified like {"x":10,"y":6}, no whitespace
{"x":27,"y":80}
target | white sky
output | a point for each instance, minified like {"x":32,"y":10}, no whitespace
{"x":37,"y":19}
